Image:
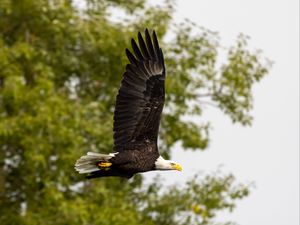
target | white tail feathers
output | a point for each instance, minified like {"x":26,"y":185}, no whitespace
{"x":88,"y":162}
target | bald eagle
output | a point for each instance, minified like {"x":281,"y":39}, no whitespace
{"x":139,"y":105}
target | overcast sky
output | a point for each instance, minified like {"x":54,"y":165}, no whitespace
{"x":267,"y":152}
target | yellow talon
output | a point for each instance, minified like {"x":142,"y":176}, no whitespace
{"x":104,"y":164}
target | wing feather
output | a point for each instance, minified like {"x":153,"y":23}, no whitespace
{"x":136,"y":50}
{"x":143,"y":46}
{"x":131,"y":57}
{"x":141,"y":96}
{"x":149,"y":44}
{"x":156,"y":45}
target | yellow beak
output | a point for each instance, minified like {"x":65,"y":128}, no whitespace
{"x":177,"y":167}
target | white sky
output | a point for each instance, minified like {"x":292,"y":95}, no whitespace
{"x":267,"y":152}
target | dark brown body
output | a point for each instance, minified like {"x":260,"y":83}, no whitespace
{"x":137,"y":158}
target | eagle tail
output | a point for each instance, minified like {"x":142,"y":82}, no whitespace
{"x":92,"y":162}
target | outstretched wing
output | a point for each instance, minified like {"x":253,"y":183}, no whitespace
{"x":141,"y":96}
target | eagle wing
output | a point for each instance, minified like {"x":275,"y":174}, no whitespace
{"x":141,"y":96}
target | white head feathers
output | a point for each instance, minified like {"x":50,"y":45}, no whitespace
{"x":162,"y":164}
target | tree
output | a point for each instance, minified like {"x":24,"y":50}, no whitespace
{"x":60,"y":69}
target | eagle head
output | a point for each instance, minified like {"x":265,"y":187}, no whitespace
{"x":163,"y":164}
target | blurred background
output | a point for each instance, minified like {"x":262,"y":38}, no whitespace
{"x":231,"y":116}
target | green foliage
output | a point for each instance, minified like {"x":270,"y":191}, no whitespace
{"x":60,"y":69}
{"x":233,"y":90}
{"x":195,"y":203}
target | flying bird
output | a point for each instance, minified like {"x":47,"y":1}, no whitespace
{"x":139,"y":105}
